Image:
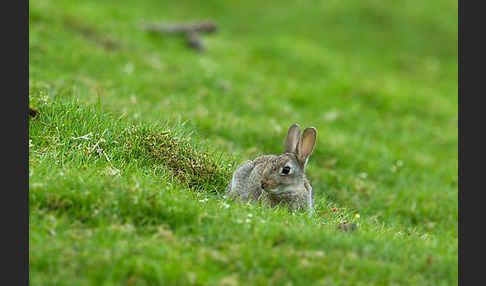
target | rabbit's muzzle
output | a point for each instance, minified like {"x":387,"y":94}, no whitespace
{"x":269,"y":184}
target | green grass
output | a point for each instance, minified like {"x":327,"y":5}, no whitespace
{"x":137,"y":137}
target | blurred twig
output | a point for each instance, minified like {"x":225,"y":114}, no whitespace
{"x":190,"y":31}
{"x":194,"y":41}
{"x":174,"y":28}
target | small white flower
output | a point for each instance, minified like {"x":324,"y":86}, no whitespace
{"x":111,"y":171}
{"x":204,"y":200}
{"x":399,"y":233}
{"x":248,"y":220}
{"x":250,"y":215}
{"x":225,"y":205}
{"x":331,"y":116}
{"x":363,"y":175}
{"x":129,"y":67}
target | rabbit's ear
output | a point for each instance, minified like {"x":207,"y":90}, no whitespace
{"x":292,"y":138}
{"x":306,"y":145}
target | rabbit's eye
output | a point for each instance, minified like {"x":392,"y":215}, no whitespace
{"x":286,"y":170}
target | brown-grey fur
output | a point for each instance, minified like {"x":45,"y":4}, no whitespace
{"x":262,"y":179}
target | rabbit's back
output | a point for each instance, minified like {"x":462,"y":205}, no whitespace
{"x":246,"y":181}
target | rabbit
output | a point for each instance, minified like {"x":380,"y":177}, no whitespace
{"x":278,"y":179}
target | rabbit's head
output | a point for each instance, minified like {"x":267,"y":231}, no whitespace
{"x":285,"y":173}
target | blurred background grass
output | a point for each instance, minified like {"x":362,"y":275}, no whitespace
{"x":377,"y":79}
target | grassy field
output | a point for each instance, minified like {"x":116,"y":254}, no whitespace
{"x":137,"y":137}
